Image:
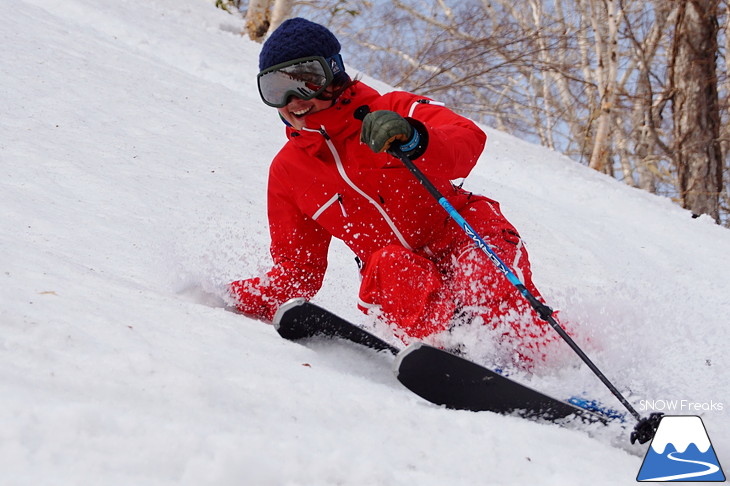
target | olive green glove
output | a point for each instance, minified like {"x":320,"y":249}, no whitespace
{"x":381,"y":128}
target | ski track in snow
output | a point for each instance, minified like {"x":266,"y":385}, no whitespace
{"x":134,"y":152}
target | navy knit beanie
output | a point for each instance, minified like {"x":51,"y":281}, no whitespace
{"x":297,"y":38}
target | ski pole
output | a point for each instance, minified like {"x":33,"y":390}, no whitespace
{"x":646,"y":427}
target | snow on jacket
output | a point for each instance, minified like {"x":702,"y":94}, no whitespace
{"x":324,"y":182}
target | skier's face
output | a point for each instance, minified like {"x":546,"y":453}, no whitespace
{"x":297,"y":110}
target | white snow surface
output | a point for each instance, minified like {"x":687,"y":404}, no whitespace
{"x":133,"y":160}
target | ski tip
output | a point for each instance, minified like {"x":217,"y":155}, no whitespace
{"x":284,"y":308}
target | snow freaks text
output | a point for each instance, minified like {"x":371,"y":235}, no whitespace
{"x":688,"y":406}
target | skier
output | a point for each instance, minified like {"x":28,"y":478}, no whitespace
{"x":333,"y":178}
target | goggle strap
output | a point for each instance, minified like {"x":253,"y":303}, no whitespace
{"x":335,"y":64}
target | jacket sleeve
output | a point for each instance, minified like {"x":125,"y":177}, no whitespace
{"x":298,"y":247}
{"x":454,"y":142}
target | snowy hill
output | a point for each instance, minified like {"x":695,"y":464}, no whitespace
{"x":133,"y":159}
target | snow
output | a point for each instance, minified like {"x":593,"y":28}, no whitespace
{"x":133,"y":160}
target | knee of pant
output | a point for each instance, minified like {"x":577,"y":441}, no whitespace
{"x":387,"y":256}
{"x":394,"y":260}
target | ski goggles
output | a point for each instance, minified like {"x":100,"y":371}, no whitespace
{"x":305,"y":78}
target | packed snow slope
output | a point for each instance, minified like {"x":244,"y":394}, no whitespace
{"x":133,"y":161}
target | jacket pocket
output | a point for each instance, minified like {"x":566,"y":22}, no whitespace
{"x":336,"y":199}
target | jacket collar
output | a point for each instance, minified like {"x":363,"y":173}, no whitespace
{"x":338,"y":121}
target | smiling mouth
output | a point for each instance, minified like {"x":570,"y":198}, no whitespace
{"x":301,"y":113}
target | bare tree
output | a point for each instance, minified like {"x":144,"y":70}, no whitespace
{"x":696,"y":107}
{"x":645,"y":31}
{"x":605,"y":17}
{"x":263,"y":16}
{"x":258,"y":19}
{"x":607,"y":82}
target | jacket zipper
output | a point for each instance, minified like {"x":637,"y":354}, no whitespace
{"x":346,"y":178}
{"x":342,"y":205}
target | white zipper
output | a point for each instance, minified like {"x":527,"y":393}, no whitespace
{"x":343,"y":174}
{"x":329,"y":203}
{"x":342,"y":206}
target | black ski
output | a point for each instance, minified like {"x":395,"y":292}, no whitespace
{"x":300,"y":319}
{"x":434,"y":374}
{"x":457,"y":383}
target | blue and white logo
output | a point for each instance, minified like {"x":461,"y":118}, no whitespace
{"x":681,"y":451}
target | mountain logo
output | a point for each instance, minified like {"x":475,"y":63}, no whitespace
{"x":681,"y":451}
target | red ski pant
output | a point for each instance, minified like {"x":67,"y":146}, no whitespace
{"x":421,"y":296}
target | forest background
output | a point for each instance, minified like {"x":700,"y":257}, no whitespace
{"x":636,"y":89}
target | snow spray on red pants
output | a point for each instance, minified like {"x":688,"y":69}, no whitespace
{"x":421,"y":296}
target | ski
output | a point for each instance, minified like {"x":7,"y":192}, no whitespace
{"x":457,"y":383}
{"x":299,"y":319}
{"x":435,"y":375}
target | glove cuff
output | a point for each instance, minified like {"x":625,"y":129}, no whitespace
{"x":412,"y":143}
{"x":416,"y":146}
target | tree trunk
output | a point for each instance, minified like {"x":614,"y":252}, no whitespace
{"x":696,"y":108}
{"x":281,"y":11}
{"x":608,"y":71}
{"x":258,"y":19}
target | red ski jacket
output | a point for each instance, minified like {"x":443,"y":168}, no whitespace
{"x":324,"y":182}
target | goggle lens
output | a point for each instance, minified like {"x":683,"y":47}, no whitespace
{"x":304,"y":78}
